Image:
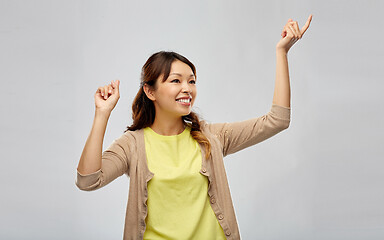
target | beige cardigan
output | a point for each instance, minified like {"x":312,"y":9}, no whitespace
{"x":126,"y":155}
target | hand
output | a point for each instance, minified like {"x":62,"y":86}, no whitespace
{"x":106,"y":97}
{"x":291,"y":34}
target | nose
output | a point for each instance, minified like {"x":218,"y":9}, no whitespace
{"x":186,"y":88}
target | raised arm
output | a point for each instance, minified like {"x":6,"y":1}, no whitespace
{"x":236,"y":136}
{"x":105,"y":100}
{"x":290,"y":35}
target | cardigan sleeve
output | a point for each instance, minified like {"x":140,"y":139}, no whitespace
{"x":115,"y":163}
{"x":236,"y":136}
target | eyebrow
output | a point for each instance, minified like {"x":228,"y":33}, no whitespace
{"x":178,"y":74}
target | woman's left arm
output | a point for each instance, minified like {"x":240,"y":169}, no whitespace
{"x":236,"y":136}
{"x":290,"y":35}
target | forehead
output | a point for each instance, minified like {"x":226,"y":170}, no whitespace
{"x":180,"y":68}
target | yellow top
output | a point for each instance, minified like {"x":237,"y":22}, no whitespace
{"x":178,"y":202}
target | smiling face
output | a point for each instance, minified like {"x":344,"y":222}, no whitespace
{"x":175,"y":96}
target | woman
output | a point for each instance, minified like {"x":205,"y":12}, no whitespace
{"x":178,"y":186}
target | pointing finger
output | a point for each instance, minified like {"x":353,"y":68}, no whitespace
{"x":117,"y":83}
{"x":306,"y":25}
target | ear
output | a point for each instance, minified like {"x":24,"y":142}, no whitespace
{"x":149,"y":92}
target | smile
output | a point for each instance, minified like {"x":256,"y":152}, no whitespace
{"x":185,"y":102}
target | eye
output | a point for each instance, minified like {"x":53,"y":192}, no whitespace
{"x":192,"y":81}
{"x":175,"y":80}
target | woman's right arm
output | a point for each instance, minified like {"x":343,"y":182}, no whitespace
{"x":105,"y":100}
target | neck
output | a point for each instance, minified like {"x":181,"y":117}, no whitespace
{"x":168,"y":126}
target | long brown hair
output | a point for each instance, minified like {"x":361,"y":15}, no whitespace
{"x":143,"y":109}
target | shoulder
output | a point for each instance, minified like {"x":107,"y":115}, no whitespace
{"x":130,"y":139}
{"x":204,"y":126}
{"x":209,"y":129}
{"x":133,"y":135}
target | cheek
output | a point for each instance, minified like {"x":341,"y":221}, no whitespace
{"x":193,"y":99}
{"x":166,"y":93}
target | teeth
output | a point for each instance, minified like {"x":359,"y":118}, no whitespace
{"x":184,"y":100}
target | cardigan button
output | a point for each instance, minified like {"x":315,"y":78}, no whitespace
{"x":213,"y":200}
{"x":204,"y":170}
{"x":221,"y":217}
{"x":227,"y":233}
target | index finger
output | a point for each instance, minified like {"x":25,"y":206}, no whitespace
{"x":306,"y":25}
{"x":114,"y":84}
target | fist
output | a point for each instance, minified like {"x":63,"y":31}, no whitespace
{"x":107,"y":96}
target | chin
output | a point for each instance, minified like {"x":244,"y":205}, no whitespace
{"x":186,"y":113}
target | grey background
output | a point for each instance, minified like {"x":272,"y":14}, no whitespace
{"x":322,"y":178}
